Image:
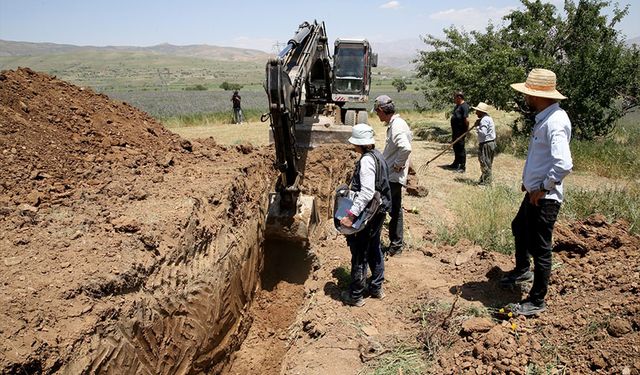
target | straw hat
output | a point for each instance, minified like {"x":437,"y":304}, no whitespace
{"x":482,"y":107}
{"x":362,"y":134}
{"x":540,"y":83}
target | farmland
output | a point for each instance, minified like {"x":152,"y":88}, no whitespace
{"x":163,"y":104}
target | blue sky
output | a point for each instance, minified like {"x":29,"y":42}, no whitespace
{"x":248,"y":24}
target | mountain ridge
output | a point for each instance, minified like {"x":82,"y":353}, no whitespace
{"x":19,"y":49}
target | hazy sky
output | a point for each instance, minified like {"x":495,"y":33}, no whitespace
{"x":247,"y":24}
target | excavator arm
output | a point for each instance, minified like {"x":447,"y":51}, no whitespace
{"x":298,"y":77}
{"x":312,"y":95}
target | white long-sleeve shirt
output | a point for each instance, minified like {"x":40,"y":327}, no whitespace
{"x":549,"y":157}
{"x":397,"y":149}
{"x":367,"y":184}
{"x":486,"y":129}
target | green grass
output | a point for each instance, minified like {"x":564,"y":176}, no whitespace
{"x":122,"y":71}
{"x":614,"y":203}
{"x":484,"y":219}
{"x":614,"y":156}
{"x":402,"y":360}
{"x":207,"y":119}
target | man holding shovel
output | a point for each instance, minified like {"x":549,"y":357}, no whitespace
{"x":459,"y":127}
{"x":548,"y":163}
{"x":486,"y":141}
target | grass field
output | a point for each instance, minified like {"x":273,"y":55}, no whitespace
{"x":125,"y":71}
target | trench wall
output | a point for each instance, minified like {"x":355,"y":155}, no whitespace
{"x":194,"y":316}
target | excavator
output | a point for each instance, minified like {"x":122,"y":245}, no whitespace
{"x":314,"y":98}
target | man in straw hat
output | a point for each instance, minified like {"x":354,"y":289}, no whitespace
{"x":486,"y":141}
{"x":548,"y":163}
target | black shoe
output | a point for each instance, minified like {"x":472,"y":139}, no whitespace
{"x":346,"y":298}
{"x":527,"y":308}
{"x":379,"y":294}
{"x":451,"y":166}
{"x":393,"y":251}
{"x":514,"y":277}
{"x":460,"y":170}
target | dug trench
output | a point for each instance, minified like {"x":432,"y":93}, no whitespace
{"x":127,"y":249}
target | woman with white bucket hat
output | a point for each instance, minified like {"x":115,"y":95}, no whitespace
{"x":370,"y":179}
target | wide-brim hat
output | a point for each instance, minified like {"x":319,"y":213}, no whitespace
{"x":540,"y":83}
{"x":362,"y":134}
{"x":482,"y":107}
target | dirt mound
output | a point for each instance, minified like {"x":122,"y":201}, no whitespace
{"x":56,"y":136}
{"x":593,"y":317}
{"x":121,"y":244}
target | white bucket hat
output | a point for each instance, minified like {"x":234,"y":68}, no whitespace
{"x":482,"y":107}
{"x":540,"y":83}
{"x":362,"y":134}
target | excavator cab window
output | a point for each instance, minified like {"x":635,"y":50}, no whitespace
{"x":349,"y":68}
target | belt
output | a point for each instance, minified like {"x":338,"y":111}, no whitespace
{"x":482,"y":143}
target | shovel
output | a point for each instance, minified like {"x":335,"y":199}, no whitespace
{"x":424,"y":167}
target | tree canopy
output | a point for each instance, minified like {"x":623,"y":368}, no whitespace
{"x":595,"y":69}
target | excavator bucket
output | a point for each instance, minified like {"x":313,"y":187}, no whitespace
{"x":319,"y":130}
{"x":291,"y":222}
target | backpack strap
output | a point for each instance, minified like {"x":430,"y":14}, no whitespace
{"x":378,"y":184}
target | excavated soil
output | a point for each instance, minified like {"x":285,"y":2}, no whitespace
{"x":127,"y":249}
{"x":124,"y":247}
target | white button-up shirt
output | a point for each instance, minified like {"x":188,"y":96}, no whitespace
{"x":549,"y":156}
{"x":397,"y":149}
{"x":486,"y":129}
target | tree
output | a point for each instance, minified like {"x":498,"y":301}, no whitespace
{"x":399,"y":83}
{"x":595,"y":69}
{"x":226,"y":86}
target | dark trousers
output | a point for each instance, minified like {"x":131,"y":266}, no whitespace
{"x":486,"y":150}
{"x":532,"y":229}
{"x":366,"y":250}
{"x":460,"y":159}
{"x":396,"y":222}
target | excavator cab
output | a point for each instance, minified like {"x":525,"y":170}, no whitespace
{"x":352,"y":63}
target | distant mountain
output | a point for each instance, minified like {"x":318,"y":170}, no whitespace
{"x":633,"y":41}
{"x":398,"y":54}
{"x":203,"y":51}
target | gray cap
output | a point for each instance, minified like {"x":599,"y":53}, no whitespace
{"x":384,"y":102}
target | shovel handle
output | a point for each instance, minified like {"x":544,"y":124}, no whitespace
{"x":424,"y":166}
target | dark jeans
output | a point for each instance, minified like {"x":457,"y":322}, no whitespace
{"x":532,"y":230}
{"x":238,"y":117}
{"x":396,"y":222}
{"x":366,"y":250}
{"x":460,"y":159}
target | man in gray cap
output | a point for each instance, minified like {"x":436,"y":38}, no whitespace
{"x":396,"y":152}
